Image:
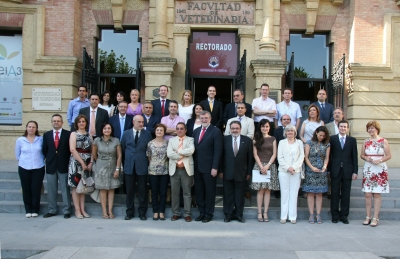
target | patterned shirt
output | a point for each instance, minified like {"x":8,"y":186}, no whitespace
{"x":158,"y":158}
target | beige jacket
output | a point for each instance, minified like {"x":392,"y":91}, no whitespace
{"x":186,"y":151}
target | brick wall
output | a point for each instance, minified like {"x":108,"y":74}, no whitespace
{"x":11,"y":20}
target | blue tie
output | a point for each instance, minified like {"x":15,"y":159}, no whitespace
{"x":122,"y":125}
{"x":342,"y":142}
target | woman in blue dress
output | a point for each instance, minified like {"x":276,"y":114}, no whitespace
{"x":316,"y":177}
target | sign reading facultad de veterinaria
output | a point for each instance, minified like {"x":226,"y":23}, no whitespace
{"x":46,"y":99}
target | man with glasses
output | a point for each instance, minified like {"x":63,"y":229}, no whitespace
{"x":75,"y":105}
{"x":231,"y":108}
{"x":287,"y":106}
{"x":181,"y":170}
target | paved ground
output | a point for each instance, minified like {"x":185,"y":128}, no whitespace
{"x":117,"y":238}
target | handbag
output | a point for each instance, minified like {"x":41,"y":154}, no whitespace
{"x":302,"y":173}
{"x":86,"y":184}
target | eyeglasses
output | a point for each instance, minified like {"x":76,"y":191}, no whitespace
{"x":286,"y":119}
{"x":236,"y":95}
{"x":180,"y":128}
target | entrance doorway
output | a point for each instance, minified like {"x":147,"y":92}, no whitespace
{"x":224,"y":89}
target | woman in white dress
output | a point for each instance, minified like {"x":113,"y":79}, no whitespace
{"x":311,"y":124}
{"x":186,"y":107}
{"x":375,"y":151}
{"x":105,"y":102}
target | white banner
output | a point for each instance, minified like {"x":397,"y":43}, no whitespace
{"x":11,"y":80}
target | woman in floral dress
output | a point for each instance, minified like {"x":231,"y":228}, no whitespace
{"x":375,"y":151}
{"x":316,"y":156}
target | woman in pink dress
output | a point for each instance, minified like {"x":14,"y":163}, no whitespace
{"x":134,"y":107}
{"x":375,"y":151}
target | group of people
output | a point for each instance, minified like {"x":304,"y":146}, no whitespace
{"x":132,"y":144}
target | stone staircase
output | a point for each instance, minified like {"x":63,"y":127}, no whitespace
{"x":11,"y":200}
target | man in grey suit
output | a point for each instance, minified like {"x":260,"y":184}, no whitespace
{"x":326,"y":109}
{"x":181,"y":170}
{"x":95,"y":115}
{"x":134,"y":145}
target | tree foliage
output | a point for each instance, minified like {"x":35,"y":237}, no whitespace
{"x":300,"y":72}
{"x":111,"y":64}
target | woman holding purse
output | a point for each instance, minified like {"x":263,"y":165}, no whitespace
{"x":28,"y":151}
{"x":290,"y":158}
{"x":107,"y":155}
{"x":80,"y":143}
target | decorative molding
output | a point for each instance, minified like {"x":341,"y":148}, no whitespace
{"x":12,"y":1}
{"x":135,"y":5}
{"x":246,"y":31}
{"x":349,"y":79}
{"x":398,"y":2}
{"x":337,"y":2}
{"x":312,"y":11}
{"x":181,"y":29}
{"x":118,"y":13}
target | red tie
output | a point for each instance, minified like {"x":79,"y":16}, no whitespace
{"x":56,"y":140}
{"x":162,"y":108}
{"x":202,"y":134}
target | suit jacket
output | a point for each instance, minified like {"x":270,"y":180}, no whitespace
{"x":230,"y":112}
{"x":347,"y":157}
{"x":331,"y":128}
{"x":189,"y":126}
{"x":216,"y":113}
{"x":237,"y":168}
{"x":114,"y":121}
{"x":247,"y":126}
{"x":135,"y":154}
{"x":208,"y":152}
{"x":157,"y":107}
{"x":57,"y":159}
{"x":153,"y":121}
{"x":327,"y":115}
{"x":101,"y":118}
{"x":186,"y":151}
{"x":285,"y":157}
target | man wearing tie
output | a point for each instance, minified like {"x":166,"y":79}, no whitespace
{"x":121,"y":121}
{"x":150,"y":121}
{"x":214,"y":107}
{"x":326,"y":114}
{"x":56,"y":151}
{"x":179,"y":152}
{"x":95,"y":115}
{"x":134,"y":145}
{"x":238,"y":164}
{"x":230,"y":110}
{"x":160,"y":106}
{"x":208,"y":152}
{"x":343,"y":168}
{"x":247,"y":124}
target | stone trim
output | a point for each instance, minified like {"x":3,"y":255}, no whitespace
{"x":12,"y":1}
{"x":117,"y":7}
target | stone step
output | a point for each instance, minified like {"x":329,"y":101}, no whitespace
{"x":250,"y":213}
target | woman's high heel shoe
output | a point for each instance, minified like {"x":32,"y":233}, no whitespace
{"x":374,"y":222}
{"x":319,"y":220}
{"x":311,"y":219}
{"x":367,"y":221}
{"x":260,"y":219}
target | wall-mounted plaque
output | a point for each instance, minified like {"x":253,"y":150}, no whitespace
{"x":46,"y":99}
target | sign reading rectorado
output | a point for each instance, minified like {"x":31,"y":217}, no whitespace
{"x":224,"y":12}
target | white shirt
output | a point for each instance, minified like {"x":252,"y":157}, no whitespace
{"x":237,"y":142}
{"x":185,"y":112}
{"x":336,"y":127}
{"x":165,"y":103}
{"x":107,"y":108}
{"x":134,"y":133}
{"x":293,"y":110}
{"x":204,"y":131}
{"x":59,"y":133}
{"x":265,"y":105}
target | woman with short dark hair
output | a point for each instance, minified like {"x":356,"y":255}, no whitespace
{"x":28,"y":151}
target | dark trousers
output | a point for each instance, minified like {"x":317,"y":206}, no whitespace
{"x":205,"y":191}
{"x":234,"y":198}
{"x":341,"y":188}
{"x":31,"y":183}
{"x":141,"y":181}
{"x":158,"y":187}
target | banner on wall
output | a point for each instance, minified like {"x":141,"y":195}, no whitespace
{"x":213,"y":55}
{"x":11,"y":80}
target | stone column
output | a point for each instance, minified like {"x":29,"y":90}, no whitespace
{"x":160,"y":45}
{"x":267,"y":41}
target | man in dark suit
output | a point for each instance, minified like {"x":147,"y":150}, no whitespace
{"x":134,"y":145}
{"x":208,"y":152}
{"x":238,"y":164}
{"x":343,"y":168}
{"x":56,"y":151}
{"x":160,"y":106}
{"x":326,"y":109}
{"x":231,"y":108}
{"x":121,"y":121}
{"x":95,"y":113}
{"x":214,"y":107}
{"x":150,"y":121}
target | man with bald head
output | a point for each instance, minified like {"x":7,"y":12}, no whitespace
{"x":134,"y":145}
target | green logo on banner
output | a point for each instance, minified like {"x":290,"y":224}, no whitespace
{"x":3,"y":53}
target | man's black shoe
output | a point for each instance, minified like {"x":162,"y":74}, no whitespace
{"x":227,"y":219}
{"x":128,"y":217}
{"x":67,"y":216}
{"x":206,"y":220}
{"x":199,"y":218}
{"x":48,"y":215}
{"x":344,"y":220}
{"x":241,"y":220}
{"x":142,"y":217}
{"x":335,"y":221}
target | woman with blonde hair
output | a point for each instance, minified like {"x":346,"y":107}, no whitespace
{"x":185,"y":108}
{"x":134,"y":107}
{"x":375,"y":151}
